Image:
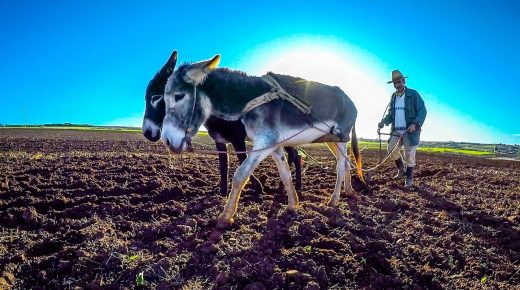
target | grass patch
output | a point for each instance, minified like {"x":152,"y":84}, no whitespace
{"x":472,"y":149}
{"x":454,"y":151}
{"x":441,"y":147}
{"x":75,"y":128}
{"x":88,"y":128}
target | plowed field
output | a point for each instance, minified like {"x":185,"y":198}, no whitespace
{"x":111,"y":210}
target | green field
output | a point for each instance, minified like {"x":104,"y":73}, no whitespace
{"x":77,"y":127}
{"x":84,"y":128}
{"x":441,"y":147}
{"x":455,"y":150}
{"x":473,"y":149}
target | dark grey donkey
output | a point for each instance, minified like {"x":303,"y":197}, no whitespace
{"x":196,"y":92}
{"x":220,"y":130}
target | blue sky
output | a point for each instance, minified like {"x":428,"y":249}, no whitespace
{"x":90,"y":61}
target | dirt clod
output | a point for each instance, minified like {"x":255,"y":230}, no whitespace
{"x":95,"y":209}
{"x":29,"y":214}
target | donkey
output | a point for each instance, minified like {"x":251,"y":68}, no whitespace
{"x":196,"y":92}
{"x":222,"y":131}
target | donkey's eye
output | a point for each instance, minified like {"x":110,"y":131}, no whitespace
{"x":178,"y":97}
{"x":156,"y":98}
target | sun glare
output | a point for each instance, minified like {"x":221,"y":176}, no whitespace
{"x":363,"y":77}
{"x":334,"y":64}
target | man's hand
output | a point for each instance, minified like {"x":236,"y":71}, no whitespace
{"x":380,"y":125}
{"x":411,"y":128}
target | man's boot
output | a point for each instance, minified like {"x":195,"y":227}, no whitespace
{"x":400,"y":167}
{"x":409,"y":177}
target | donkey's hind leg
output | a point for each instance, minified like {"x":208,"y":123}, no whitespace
{"x":340,"y":152}
{"x":285,"y":174}
{"x":294,"y":158}
{"x":239,"y":180}
{"x":349,"y":191}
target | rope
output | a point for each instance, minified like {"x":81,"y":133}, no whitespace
{"x":380,"y":149}
{"x":379,"y":130}
{"x":254,"y":150}
{"x":310,"y":157}
{"x":194,"y":102}
{"x":276,"y":92}
{"x":352,"y":166}
{"x":188,"y":129}
{"x":386,"y":157}
{"x":273,"y":146}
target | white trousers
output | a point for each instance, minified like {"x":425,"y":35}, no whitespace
{"x":409,"y":151}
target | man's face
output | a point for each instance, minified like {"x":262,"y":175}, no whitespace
{"x":399,"y":85}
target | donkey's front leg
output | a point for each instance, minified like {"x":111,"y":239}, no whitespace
{"x":349,"y":191}
{"x":240,"y":147}
{"x":285,"y":174}
{"x":239,"y":180}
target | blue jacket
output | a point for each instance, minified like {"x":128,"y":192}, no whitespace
{"x":414,"y":111}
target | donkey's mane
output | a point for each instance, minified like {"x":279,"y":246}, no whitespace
{"x":232,"y":89}
{"x":228,"y":76}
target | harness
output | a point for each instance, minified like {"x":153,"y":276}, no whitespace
{"x":276,"y":92}
{"x":189,"y":129}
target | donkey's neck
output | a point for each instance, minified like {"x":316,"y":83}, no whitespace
{"x":230,"y":91}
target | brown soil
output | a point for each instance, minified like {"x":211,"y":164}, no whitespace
{"x":95,"y":209}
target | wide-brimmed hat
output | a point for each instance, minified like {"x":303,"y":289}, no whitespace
{"x":396,"y":75}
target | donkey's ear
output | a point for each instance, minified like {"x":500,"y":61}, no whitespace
{"x":197,"y":72}
{"x":169,"y":66}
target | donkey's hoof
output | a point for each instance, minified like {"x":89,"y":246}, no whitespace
{"x":224,"y":223}
{"x":350,"y":193}
{"x":333,"y":202}
{"x":293,"y":208}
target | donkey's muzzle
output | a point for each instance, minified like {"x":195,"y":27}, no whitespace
{"x":172,"y":148}
{"x":148,"y":134}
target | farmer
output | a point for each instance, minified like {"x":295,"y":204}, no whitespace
{"x":406,"y":114}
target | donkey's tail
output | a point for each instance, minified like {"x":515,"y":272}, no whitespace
{"x":354,"y":149}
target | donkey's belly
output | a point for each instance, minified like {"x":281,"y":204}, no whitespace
{"x":320,"y":132}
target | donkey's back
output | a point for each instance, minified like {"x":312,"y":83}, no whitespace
{"x":331,"y":109}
